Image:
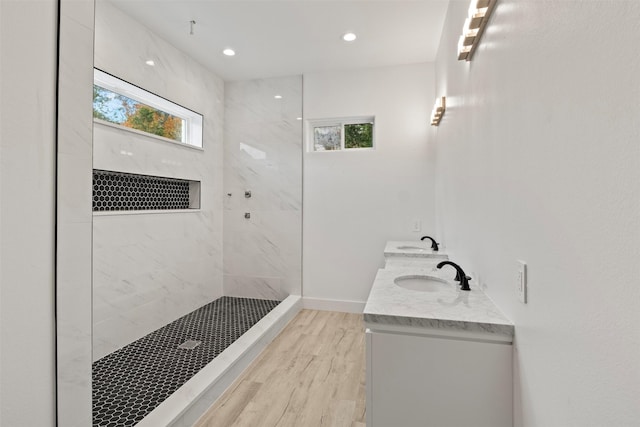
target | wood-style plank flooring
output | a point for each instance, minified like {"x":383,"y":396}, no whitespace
{"x":312,"y":374}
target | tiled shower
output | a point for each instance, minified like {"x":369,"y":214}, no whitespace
{"x":217,"y":227}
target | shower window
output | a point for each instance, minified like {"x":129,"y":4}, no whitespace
{"x":340,"y":134}
{"x":119,"y":103}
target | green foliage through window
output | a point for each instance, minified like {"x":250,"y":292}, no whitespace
{"x":121,"y":110}
{"x":358,"y":135}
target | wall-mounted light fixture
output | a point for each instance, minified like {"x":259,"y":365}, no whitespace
{"x":479,"y":14}
{"x":438,"y":111}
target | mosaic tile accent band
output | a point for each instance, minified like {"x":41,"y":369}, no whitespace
{"x":119,"y":191}
{"x":131,"y":382}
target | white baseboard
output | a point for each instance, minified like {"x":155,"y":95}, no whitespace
{"x":333,"y":305}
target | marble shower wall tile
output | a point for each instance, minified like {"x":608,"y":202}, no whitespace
{"x":263,"y":154}
{"x":255,"y":287}
{"x":151,"y":268}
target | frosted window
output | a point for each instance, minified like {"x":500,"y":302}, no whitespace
{"x":327,"y":137}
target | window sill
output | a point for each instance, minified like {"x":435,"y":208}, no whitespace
{"x":145,"y":212}
{"x":346,"y":150}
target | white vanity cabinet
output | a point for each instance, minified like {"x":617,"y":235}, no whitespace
{"x":437,"y":356}
{"x":418,"y":378}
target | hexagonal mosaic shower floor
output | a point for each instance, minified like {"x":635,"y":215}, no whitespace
{"x":130,"y":382}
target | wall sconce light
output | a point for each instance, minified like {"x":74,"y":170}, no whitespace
{"x":479,"y":13}
{"x":438,"y":111}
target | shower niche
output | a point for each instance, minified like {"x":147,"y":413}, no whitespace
{"x":118,"y":191}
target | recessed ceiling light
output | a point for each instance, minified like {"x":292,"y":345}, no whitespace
{"x":349,"y":37}
{"x":229,"y":52}
{"x":278,"y":97}
{"x":298,"y":118}
{"x":150,"y":62}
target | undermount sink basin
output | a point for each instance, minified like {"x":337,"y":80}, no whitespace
{"x":420,"y":283}
{"x":412,"y":247}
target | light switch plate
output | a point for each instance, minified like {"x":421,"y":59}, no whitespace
{"x":521,"y":282}
{"x":417,"y":225}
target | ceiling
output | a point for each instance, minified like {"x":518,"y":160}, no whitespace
{"x":287,"y":37}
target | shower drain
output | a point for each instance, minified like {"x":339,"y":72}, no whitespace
{"x":190,"y":344}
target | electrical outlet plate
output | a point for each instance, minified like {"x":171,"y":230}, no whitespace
{"x":417,"y":225}
{"x":521,"y":282}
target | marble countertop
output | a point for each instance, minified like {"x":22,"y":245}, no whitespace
{"x":417,"y":249}
{"x":447,"y":308}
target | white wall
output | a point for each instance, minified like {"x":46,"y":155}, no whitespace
{"x":538,"y":160}
{"x":355,"y":201}
{"x":263,"y":154}
{"x":73,"y":213}
{"x":27,"y":179}
{"x":151,"y":268}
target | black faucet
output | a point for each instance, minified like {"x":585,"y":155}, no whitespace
{"x":464,"y":279}
{"x":434,"y":245}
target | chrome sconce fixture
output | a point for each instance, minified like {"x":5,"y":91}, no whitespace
{"x":479,"y":13}
{"x":438,"y":111}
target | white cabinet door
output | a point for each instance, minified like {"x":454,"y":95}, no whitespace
{"x":426,"y":381}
